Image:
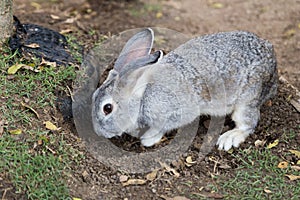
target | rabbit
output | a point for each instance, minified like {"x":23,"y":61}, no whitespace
{"x":148,"y":94}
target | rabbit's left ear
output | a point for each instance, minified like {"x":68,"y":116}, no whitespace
{"x":136,"y":47}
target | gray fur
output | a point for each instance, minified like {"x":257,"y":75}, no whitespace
{"x":219,"y":74}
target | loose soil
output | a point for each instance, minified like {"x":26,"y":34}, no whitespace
{"x":89,"y":20}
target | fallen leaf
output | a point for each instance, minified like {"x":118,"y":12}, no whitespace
{"x":14,"y":68}
{"x":259,"y":143}
{"x":283,"y":165}
{"x":123,"y":178}
{"x":30,"y":68}
{"x":32,"y":45}
{"x":75,"y":198}
{"x":289,"y":33}
{"x":159,"y":15}
{"x":295,"y":152}
{"x":273,"y":144}
{"x":36,"y":5}
{"x":177,"y":18}
{"x":170,"y":169}
{"x":298,"y":162}
{"x":48,"y":63}
{"x":230,"y":151}
{"x":15,"y":131}
{"x":189,"y":161}
{"x":297,"y":168}
{"x":50,"y":126}
{"x":225,"y":166}
{"x":31,"y":109}
{"x":299,"y":25}
{"x":70,"y":20}
{"x":1,"y":127}
{"x":292,"y":177}
{"x":54,"y":17}
{"x":269,"y":103}
{"x":134,"y":182}
{"x":40,"y":142}
{"x":266,"y":190}
{"x":217,"y":5}
{"x":152,"y":175}
{"x":65,"y":31}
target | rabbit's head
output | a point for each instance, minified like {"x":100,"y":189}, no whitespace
{"x":116,"y":103}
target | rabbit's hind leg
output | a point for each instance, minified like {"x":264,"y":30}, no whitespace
{"x":246,"y":118}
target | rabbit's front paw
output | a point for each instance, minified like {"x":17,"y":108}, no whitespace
{"x":231,"y":138}
{"x":148,"y":142}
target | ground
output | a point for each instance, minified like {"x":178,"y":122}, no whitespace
{"x":89,"y":20}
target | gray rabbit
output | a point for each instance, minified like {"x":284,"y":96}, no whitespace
{"x":148,"y":94}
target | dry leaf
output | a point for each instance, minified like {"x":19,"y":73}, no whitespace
{"x":50,"y":126}
{"x":292,"y":177}
{"x":266,"y":190}
{"x":225,"y":166}
{"x":48,"y":63}
{"x":189,"y":161}
{"x":273,"y":144}
{"x":170,"y":169}
{"x":299,"y":25}
{"x":298,"y":162}
{"x":70,"y":20}
{"x":75,"y":198}
{"x":289,"y":33}
{"x":297,"y":168}
{"x":295,"y":152}
{"x":65,"y":31}
{"x":54,"y":17}
{"x":31,"y":109}
{"x":123,"y":178}
{"x":259,"y":143}
{"x":283,"y":165}
{"x":134,"y":182}
{"x":159,"y":15}
{"x":152,"y":175}
{"x":32,"y":45}
{"x":217,"y":5}
{"x":30,"y":68}
{"x":1,"y":127}
{"x":230,"y":151}
{"x":269,"y":103}
{"x":36,"y":5}
{"x":15,"y":132}
{"x":40,"y":142}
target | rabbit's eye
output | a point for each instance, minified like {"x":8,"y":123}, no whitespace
{"x":107,"y":108}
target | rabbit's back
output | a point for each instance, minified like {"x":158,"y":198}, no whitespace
{"x":237,"y":63}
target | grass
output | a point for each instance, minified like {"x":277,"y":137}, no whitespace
{"x":40,"y":176}
{"x":37,"y":161}
{"x":258,"y":177}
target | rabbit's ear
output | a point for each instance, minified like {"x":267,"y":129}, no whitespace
{"x":136,"y":47}
{"x":141,"y":62}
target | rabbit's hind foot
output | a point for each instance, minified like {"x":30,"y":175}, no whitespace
{"x":245,"y":118}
